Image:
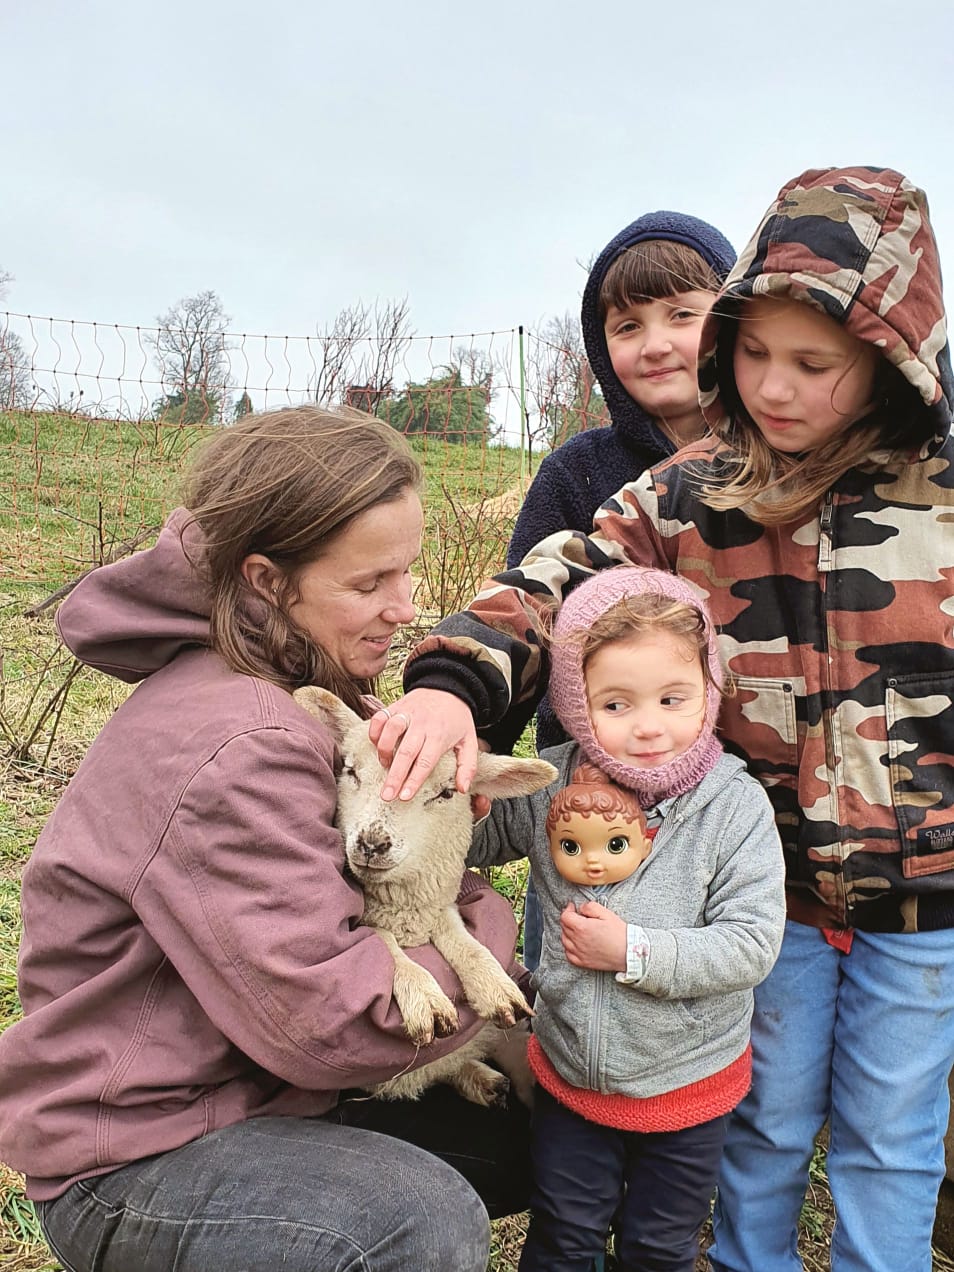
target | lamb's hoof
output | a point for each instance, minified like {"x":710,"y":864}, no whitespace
{"x":445,"y":1024}
{"x":499,"y":1094}
{"x":507,"y":1015}
{"x":484,"y":1086}
{"x":429,"y":1020}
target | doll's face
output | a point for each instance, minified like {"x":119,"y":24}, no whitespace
{"x":591,"y":850}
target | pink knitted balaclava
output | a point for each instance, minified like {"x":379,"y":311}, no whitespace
{"x":568,"y":690}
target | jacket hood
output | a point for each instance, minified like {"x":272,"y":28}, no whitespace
{"x":857,"y":244}
{"x":580,"y":610}
{"x":628,"y":417}
{"x":131,"y":618}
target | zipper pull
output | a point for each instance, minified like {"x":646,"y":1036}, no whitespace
{"x":824,"y":534}
{"x":826,"y":513}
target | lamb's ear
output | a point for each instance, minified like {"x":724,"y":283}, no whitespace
{"x":329,"y":709}
{"x":501,"y":776}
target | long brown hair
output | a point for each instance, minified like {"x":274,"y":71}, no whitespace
{"x":773,"y":489}
{"x":285,"y":484}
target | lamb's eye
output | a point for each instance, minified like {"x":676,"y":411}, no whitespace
{"x":446,"y":792}
{"x":570,"y":847}
{"x":349,"y":770}
{"x":617,"y":845}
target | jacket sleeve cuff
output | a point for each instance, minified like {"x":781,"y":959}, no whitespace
{"x":637,"y":955}
{"x":438,"y":672}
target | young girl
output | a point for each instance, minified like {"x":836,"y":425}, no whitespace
{"x":646,"y":296}
{"x":657,"y":926}
{"x":818,"y":524}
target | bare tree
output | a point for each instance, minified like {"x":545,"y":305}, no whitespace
{"x":338,"y":354}
{"x":361,"y":352}
{"x":192,"y":355}
{"x":16,"y":372}
{"x":16,"y":369}
{"x":475,"y":365}
{"x":561,"y":394}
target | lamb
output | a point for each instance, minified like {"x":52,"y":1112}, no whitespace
{"x":409,"y":858}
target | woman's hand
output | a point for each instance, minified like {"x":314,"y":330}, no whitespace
{"x":594,"y":937}
{"x":413,"y":733}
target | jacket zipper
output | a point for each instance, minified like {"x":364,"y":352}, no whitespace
{"x":668,"y":825}
{"x":825,"y":550}
{"x":593,"y":1067}
{"x":824,"y":534}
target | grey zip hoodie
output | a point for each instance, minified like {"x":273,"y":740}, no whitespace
{"x":710,"y":898}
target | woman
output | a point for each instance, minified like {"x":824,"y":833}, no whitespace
{"x":200,"y":997}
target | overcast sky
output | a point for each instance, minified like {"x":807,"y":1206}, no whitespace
{"x":298,"y":155}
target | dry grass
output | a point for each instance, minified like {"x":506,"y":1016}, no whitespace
{"x":22,"y":1248}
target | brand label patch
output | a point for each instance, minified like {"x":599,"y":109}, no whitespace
{"x":933,"y":839}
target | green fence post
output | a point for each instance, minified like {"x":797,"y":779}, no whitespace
{"x":523,"y":406}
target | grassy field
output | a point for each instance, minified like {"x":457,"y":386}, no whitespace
{"x":77,"y":490}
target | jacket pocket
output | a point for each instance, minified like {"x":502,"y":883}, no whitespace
{"x":919,"y":715}
{"x":647,"y":1036}
{"x":760,"y":719}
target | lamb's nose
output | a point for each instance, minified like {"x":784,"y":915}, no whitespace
{"x":371,"y":844}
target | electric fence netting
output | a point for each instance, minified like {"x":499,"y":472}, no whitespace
{"x":98,"y":422}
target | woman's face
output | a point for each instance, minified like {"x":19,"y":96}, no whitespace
{"x":353,"y":599}
{"x":802,"y":378}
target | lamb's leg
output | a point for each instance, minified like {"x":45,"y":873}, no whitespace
{"x":427,"y":1011}
{"x":480,"y":1084}
{"x":486,"y":985}
{"x":461,"y":1069}
{"x":509,"y":1053}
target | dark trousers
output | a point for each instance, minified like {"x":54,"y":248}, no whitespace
{"x":489,"y":1147}
{"x":372,"y":1187}
{"x":657,"y":1185}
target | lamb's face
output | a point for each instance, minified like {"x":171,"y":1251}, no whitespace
{"x":407,"y":837}
{"x":395,"y":837}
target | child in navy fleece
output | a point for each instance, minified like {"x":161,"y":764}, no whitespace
{"x":643,"y":306}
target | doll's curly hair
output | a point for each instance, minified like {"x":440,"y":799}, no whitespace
{"x":590,"y":792}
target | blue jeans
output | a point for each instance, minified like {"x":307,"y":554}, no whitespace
{"x":532,"y":928}
{"x":865,"y":1040}
{"x":303,"y":1195}
{"x":655,"y":1188}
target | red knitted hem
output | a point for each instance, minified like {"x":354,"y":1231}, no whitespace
{"x":690,"y":1105}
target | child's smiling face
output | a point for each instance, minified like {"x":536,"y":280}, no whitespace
{"x":646,"y":696}
{"x":653,"y":347}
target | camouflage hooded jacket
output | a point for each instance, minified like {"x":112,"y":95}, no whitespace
{"x":838,"y":627}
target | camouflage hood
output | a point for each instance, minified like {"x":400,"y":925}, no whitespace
{"x":857,"y":244}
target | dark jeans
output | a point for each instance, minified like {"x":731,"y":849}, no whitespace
{"x":373,"y":1187}
{"x":658,"y":1186}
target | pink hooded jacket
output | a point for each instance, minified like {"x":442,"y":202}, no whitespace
{"x":192,"y":952}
